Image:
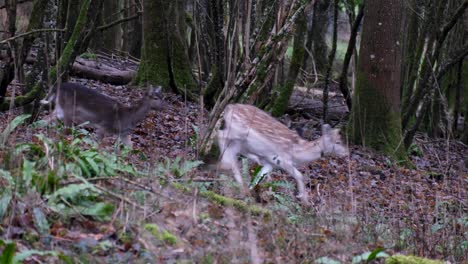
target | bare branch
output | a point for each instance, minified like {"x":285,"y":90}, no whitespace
{"x":458,"y":55}
{"x":122,"y":20}
{"x":22,"y":35}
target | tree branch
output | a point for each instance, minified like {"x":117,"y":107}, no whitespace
{"x":22,"y":35}
{"x":122,"y":20}
{"x":458,"y":55}
{"x":458,"y":13}
{"x":347,"y":59}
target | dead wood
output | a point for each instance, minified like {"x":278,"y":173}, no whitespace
{"x":97,"y":71}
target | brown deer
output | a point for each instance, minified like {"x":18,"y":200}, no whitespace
{"x":76,"y":104}
{"x":252,"y":133}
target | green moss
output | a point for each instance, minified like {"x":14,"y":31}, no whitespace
{"x":89,"y":56}
{"x":214,"y":86}
{"x":280,"y":104}
{"x":401,"y":259}
{"x":373,"y":123}
{"x":164,"y":60}
{"x":164,"y":235}
{"x":223,"y":200}
{"x":23,"y":99}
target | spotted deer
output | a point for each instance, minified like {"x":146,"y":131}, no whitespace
{"x":256,"y":135}
{"x":76,"y":104}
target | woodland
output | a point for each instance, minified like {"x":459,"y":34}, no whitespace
{"x":391,"y":75}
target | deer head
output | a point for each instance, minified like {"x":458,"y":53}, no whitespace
{"x":76,"y":104}
{"x":251,"y":132}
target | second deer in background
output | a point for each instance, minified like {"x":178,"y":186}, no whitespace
{"x":76,"y":104}
{"x":251,"y":132}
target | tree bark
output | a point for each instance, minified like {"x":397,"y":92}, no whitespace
{"x":375,"y":118}
{"x":132,"y":36}
{"x":331,"y":59}
{"x":316,"y":36}
{"x":164,"y":55}
{"x":343,"y":84}
{"x":69,"y":53}
{"x":280,"y":104}
{"x":7,"y":72}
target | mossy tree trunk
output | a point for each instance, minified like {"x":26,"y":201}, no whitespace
{"x":214,"y":27}
{"x":375,"y":118}
{"x":164,"y":59}
{"x":280,"y":104}
{"x":79,"y":38}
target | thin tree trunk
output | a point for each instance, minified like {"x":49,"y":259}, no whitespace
{"x":280,"y":104}
{"x":316,"y":37}
{"x":331,"y":59}
{"x":343,"y":84}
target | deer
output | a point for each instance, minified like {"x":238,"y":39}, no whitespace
{"x":76,"y":104}
{"x":254,"y":134}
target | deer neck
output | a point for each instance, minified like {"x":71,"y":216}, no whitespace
{"x":306,"y":151}
{"x":133,"y":115}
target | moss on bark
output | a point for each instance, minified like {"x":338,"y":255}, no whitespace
{"x":67,"y":54}
{"x":164,"y":59}
{"x":23,"y":99}
{"x":280,"y":104}
{"x":373,"y":123}
{"x":214,"y":87}
{"x":375,"y":115}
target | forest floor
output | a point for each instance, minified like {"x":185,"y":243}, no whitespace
{"x":171,"y":213}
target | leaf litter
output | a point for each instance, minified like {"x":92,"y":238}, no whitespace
{"x":360,"y":203}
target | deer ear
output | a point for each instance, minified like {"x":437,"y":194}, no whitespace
{"x":326,"y":129}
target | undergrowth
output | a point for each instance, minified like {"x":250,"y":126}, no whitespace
{"x":53,"y":179}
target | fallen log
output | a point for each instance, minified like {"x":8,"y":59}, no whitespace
{"x":93,"y":70}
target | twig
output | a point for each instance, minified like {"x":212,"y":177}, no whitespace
{"x":146,"y":188}
{"x":22,"y":35}
{"x":118,"y":21}
{"x":118,"y":196}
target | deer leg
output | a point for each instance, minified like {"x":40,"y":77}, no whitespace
{"x":299,"y":180}
{"x":229,"y":161}
{"x":266,"y":169}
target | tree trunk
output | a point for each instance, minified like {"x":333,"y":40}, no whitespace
{"x":316,"y":36}
{"x":132,"y":37}
{"x":164,"y":55}
{"x":110,"y":38}
{"x":280,"y":104}
{"x":7,"y":72}
{"x":464,"y":107}
{"x":69,"y":54}
{"x":375,"y":118}
{"x":331,"y":59}
{"x":214,"y":26}
{"x":349,"y":53}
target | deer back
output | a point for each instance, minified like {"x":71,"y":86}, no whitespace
{"x":76,"y":103}
{"x":257,"y":133}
